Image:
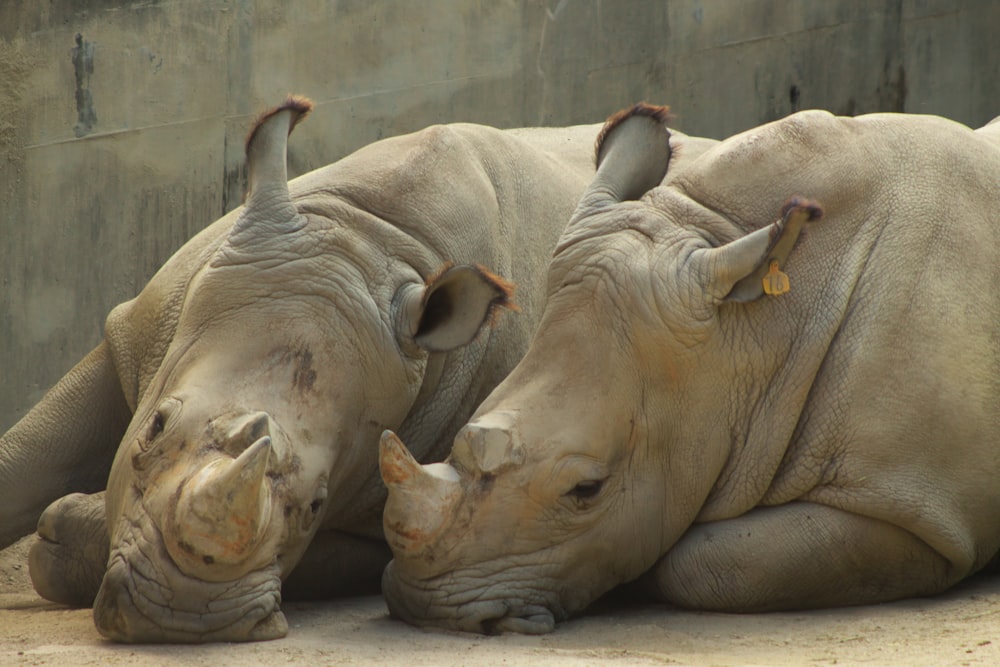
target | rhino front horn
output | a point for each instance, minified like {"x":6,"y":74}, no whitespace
{"x":222,"y":515}
{"x":422,"y":498}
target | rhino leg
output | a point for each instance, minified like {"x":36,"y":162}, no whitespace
{"x":796,"y":556}
{"x":67,"y":562}
{"x":337,"y":564}
{"x":65,"y":443}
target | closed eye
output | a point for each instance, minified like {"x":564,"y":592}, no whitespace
{"x":156,"y":428}
{"x":586,"y":489}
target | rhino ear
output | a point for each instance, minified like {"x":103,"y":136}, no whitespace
{"x":738,"y":271}
{"x":268,"y":211}
{"x":632,"y":154}
{"x":451,"y":309}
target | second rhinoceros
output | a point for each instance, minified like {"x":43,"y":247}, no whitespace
{"x":739,"y":422}
{"x":248,"y":383}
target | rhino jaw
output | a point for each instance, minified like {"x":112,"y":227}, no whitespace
{"x":429,"y":605}
{"x":145,"y":598}
{"x":118,"y":619}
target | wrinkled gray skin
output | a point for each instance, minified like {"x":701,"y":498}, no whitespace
{"x":249,"y":381}
{"x":838,"y":444}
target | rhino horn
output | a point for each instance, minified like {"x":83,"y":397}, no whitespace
{"x":269,"y":206}
{"x":223,"y":511}
{"x":490,"y":444}
{"x":421,"y":499}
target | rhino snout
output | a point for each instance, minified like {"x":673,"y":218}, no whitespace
{"x":132,"y":608}
{"x":528,"y":620}
{"x":436,"y":604}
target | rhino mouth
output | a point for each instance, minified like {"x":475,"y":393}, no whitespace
{"x":144,"y":598}
{"x":437,"y":605}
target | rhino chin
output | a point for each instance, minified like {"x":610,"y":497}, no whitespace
{"x":530,"y":620}
{"x":431,"y":606}
{"x":133,"y":607}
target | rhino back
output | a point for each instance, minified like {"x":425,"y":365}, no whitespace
{"x":452,"y":193}
{"x":880,"y":389}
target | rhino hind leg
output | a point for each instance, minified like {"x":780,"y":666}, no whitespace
{"x":337,"y":564}
{"x":68,"y":560}
{"x":798,"y":556}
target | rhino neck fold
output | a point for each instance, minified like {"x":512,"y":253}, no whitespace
{"x":428,"y":430}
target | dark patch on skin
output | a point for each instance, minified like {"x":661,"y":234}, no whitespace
{"x":304,"y":375}
{"x":486,"y":482}
{"x":208,"y":560}
{"x":185,"y":547}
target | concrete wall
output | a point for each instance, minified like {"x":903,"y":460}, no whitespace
{"x":121,"y":123}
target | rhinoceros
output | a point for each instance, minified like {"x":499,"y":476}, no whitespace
{"x":727,"y":412}
{"x":234,"y":407}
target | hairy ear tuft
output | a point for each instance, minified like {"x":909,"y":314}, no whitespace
{"x":301,"y":107}
{"x":660,"y":114}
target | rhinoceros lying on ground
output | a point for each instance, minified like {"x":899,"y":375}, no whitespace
{"x":249,"y":382}
{"x":836,"y":444}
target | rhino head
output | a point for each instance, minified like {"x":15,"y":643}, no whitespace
{"x":585,"y":464}
{"x":293,"y":349}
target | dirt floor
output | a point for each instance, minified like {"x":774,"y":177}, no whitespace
{"x":958,"y":628}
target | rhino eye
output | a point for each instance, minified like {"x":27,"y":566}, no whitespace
{"x":586,"y":490}
{"x":156,"y":428}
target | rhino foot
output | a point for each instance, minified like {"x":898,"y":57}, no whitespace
{"x":67,"y":562}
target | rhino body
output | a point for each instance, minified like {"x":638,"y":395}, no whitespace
{"x":732,"y":450}
{"x":234,"y":406}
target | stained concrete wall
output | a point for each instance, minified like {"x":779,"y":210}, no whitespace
{"x":121,"y":123}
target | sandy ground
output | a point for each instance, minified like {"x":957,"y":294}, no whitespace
{"x":961,"y":627}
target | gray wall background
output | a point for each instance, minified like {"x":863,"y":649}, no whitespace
{"x":122,"y":123}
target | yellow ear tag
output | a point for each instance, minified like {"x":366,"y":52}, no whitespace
{"x":775,"y":281}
